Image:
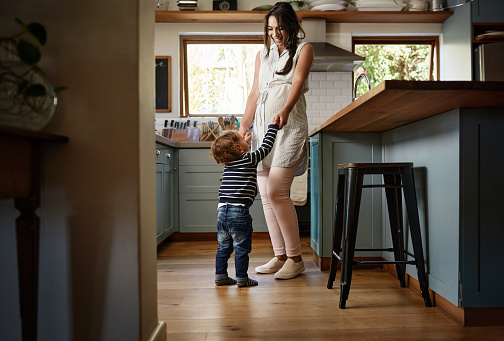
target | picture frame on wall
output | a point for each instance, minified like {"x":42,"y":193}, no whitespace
{"x":163,"y":84}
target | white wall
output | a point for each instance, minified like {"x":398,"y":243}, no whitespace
{"x":97,"y":231}
{"x":329,"y":92}
{"x":456,"y":59}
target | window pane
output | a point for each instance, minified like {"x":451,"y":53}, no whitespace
{"x":393,"y":62}
{"x":220,"y":77}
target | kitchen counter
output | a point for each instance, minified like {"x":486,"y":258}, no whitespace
{"x":452,"y":132}
{"x":182,"y":145}
{"x":392,"y":104}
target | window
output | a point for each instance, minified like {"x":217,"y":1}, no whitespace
{"x":218,"y":72}
{"x":397,"y":58}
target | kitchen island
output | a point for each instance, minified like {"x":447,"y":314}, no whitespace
{"x":451,"y":132}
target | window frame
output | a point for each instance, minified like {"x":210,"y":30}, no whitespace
{"x":433,"y":41}
{"x":205,"y":39}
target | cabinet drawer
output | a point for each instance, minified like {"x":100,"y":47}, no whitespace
{"x":195,"y":157}
{"x":198,"y":213}
{"x":200,"y":179}
{"x":165,"y":155}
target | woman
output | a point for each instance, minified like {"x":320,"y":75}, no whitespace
{"x":280,"y":81}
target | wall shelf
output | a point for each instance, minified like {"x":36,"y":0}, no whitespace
{"x":382,"y":17}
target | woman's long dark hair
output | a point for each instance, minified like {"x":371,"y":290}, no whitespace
{"x":288,"y":20}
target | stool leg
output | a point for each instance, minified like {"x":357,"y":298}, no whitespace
{"x":416,"y":237}
{"x":394,"y":205}
{"x":337,"y":230}
{"x":353,"y":192}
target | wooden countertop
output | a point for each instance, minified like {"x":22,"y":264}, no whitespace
{"x":330,"y":16}
{"x":392,"y":104}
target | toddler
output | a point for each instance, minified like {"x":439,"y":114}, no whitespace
{"x":236,"y":194}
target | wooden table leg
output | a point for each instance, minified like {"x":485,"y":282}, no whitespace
{"x":27,"y":232}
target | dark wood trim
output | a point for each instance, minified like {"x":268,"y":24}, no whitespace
{"x":433,"y":41}
{"x":429,"y":17}
{"x":205,"y":39}
{"x":20,"y":169}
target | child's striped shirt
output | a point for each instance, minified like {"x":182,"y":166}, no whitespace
{"x":239,"y":179}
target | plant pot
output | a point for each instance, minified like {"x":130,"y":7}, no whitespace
{"x":22,"y":111}
{"x":27,"y":98}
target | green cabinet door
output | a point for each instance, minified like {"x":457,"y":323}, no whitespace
{"x":166,"y":192}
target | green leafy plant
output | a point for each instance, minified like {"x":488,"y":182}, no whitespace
{"x":18,"y":59}
{"x":296,"y":4}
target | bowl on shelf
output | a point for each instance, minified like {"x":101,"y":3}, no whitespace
{"x":327,"y":5}
{"x":377,"y":5}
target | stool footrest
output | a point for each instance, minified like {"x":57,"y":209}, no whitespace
{"x":355,"y":262}
{"x":382,"y":186}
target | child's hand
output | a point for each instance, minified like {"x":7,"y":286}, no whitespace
{"x":275,"y":120}
{"x":247,"y":137}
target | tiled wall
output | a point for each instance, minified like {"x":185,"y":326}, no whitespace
{"x":329,"y":93}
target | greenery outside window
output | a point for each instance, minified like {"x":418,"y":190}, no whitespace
{"x":218,"y":72}
{"x":397,"y":58}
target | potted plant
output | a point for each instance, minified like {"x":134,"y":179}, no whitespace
{"x":27,"y":98}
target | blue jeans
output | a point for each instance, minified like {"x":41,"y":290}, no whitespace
{"x":234,"y":232}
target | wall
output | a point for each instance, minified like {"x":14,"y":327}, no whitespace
{"x":457,"y":54}
{"x":97,"y":234}
{"x":329,"y":92}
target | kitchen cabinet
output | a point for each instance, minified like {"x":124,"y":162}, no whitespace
{"x":199,"y":181}
{"x":327,"y":151}
{"x":487,"y":11}
{"x":451,"y":131}
{"x":166,"y":192}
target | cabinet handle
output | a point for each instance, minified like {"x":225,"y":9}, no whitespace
{"x":158,"y":152}
{"x":220,"y":179}
{"x":168,"y":155}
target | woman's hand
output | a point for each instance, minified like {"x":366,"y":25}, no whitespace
{"x":282,"y":117}
{"x":275,"y":120}
{"x":243,"y":131}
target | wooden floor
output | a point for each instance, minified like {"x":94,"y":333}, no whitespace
{"x":193,"y":308}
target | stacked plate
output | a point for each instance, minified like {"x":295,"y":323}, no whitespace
{"x":376,"y":5}
{"x":328,"y":5}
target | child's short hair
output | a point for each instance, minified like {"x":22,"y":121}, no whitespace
{"x":224,"y":148}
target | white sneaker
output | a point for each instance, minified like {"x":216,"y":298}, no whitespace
{"x":272,"y":266}
{"x":290,"y":270}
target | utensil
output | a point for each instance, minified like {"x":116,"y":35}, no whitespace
{"x":221,"y":122}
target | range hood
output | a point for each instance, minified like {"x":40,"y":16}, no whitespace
{"x":328,"y":58}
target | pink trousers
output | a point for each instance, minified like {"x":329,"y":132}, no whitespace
{"x":281,"y":217}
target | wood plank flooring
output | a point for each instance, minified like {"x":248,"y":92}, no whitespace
{"x":194,"y":309}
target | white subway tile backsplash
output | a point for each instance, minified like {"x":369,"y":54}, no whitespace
{"x":311,"y":99}
{"x":326,"y":99}
{"x":334,"y":91}
{"x":347,"y":76}
{"x":329,"y":93}
{"x":327,"y":84}
{"x":319,"y":106}
{"x":335,"y":106}
{"x":342,"y":84}
{"x":318,"y":76}
{"x":334,"y":76}
{"x":319,"y":92}
{"x":313,"y":113}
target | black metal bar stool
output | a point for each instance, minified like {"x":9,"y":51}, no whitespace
{"x":350,"y":185}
